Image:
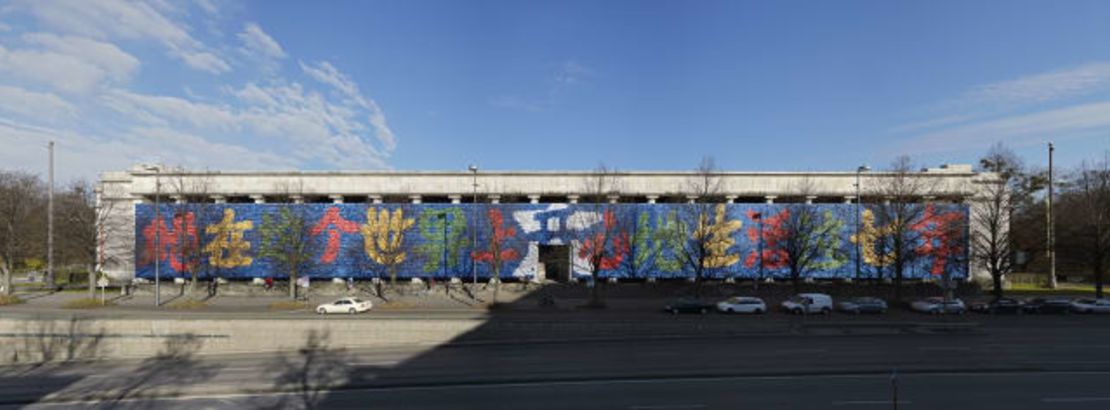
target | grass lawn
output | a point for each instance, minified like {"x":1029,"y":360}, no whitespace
{"x":1085,"y":289}
{"x":87,"y":303}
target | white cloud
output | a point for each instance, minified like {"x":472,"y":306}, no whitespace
{"x":21,"y":102}
{"x":326,"y":73}
{"x":1017,"y":129}
{"x":255,"y":41}
{"x":115,"y":62}
{"x":60,"y":71}
{"x":108,"y":19}
{"x":1051,"y":86}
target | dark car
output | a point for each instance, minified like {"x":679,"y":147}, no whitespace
{"x":1000,"y":306}
{"x":862,"y":305}
{"x":688,"y":306}
{"x":1059,"y":306}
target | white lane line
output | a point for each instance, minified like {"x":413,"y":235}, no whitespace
{"x":799,"y":351}
{"x":944,"y":348}
{"x":668,"y":406}
{"x":1074,"y":399}
{"x":867,"y":402}
{"x":381,"y":363}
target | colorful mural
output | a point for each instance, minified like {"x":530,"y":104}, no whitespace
{"x":502,"y":240}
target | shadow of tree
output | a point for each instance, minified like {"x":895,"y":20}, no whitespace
{"x":45,"y":341}
{"x":315,"y":369}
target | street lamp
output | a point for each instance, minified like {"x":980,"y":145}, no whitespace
{"x":474,"y":223}
{"x":861,"y":169}
{"x":157,"y":232}
{"x":443,"y":217}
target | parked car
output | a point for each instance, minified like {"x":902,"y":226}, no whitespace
{"x":742,"y":304}
{"x":688,"y":306}
{"x":865,"y":304}
{"x":937,"y":306}
{"x":809,"y":303}
{"x":345,"y":305}
{"x":999,"y":306}
{"x":1048,"y":305}
{"x":1091,"y":306}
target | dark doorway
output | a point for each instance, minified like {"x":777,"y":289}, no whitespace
{"x":556,"y":262}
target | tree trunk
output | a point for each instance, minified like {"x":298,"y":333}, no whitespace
{"x":7,"y":279}
{"x":996,"y":276}
{"x":92,"y":283}
{"x":797,"y":279}
{"x":1098,"y":280}
{"x":293,"y":285}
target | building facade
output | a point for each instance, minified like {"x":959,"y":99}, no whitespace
{"x":519,"y":225}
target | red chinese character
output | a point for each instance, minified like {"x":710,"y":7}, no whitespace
{"x":940,"y":235}
{"x":334,"y":224}
{"x":497,"y":244}
{"x":774,"y":257}
{"x":592,"y":248}
{"x":174,"y":244}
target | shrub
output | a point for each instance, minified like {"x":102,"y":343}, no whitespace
{"x":87,"y":303}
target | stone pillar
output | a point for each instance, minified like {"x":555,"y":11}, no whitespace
{"x":652,"y":198}
{"x":886,"y":200}
{"x":572,"y":199}
{"x":375,"y":199}
{"x":258,"y":198}
{"x":336,"y":199}
{"x":416,"y":199}
{"x":613,"y":198}
{"x":533,"y":199}
{"x":730,"y":199}
{"x":297,"y":199}
{"x":691,"y":199}
{"x":928,"y":198}
{"x":849,"y":199}
{"x":495,"y":199}
{"x":455,"y":199}
{"x":770,"y":199}
{"x":219,"y":199}
{"x":810,"y":198}
{"x":177,"y":199}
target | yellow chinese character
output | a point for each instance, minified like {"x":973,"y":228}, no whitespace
{"x":718,"y":238}
{"x":228,"y":239}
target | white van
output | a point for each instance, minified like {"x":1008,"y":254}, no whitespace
{"x":809,"y":303}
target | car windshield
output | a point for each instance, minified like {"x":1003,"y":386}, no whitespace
{"x":356,"y":300}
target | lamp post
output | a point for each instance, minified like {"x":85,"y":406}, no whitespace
{"x":859,"y":199}
{"x":443,"y":217}
{"x":474,"y":223}
{"x":157,"y":233}
{"x":1050,"y":241}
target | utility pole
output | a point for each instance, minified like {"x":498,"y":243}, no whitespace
{"x":50,"y":223}
{"x":1050,"y":241}
{"x":859,"y":200}
{"x":474,"y":225}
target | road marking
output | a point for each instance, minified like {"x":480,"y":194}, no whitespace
{"x":944,"y":348}
{"x":799,"y":351}
{"x":867,"y":402}
{"x":1074,"y":399}
{"x":668,"y":406}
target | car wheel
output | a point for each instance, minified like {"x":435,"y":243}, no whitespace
{"x":729,"y":310}
{"x":352,"y":311}
{"x":826,"y":311}
{"x":321,"y":311}
{"x":758,"y":311}
{"x":674,"y":311}
{"x":704,"y":311}
{"x":882,"y":311}
{"x":796,"y":311}
{"x":856,"y":312}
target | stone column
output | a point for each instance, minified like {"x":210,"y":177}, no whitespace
{"x":691,"y":199}
{"x":258,"y":198}
{"x":375,"y":199}
{"x":297,"y":199}
{"x":336,"y":199}
{"x":886,"y":200}
{"x":495,"y":199}
{"x":572,"y":199}
{"x":533,"y":199}
{"x":614,"y":198}
{"x":849,"y":198}
{"x":416,"y":199}
{"x":810,"y":198}
{"x":652,"y":198}
{"x":177,"y":199}
{"x":455,"y":199}
{"x":928,"y":198}
{"x":730,"y":199}
{"x":770,"y":199}
{"x":219,"y":199}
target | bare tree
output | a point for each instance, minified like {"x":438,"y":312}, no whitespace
{"x":992,"y":215}
{"x":901,"y":191}
{"x":286,"y":237}
{"x":1085,"y":206}
{"x":809,"y":238}
{"x":603,"y":244}
{"x":189,"y":194}
{"x":20,"y":195}
{"x":703,"y":234}
{"x":503,"y":244}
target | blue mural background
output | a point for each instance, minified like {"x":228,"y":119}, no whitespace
{"x":531,"y":225}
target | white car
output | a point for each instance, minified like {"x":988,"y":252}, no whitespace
{"x":345,"y":305}
{"x":809,"y":303}
{"x":936,"y":306}
{"x":742,"y":304}
{"x":1091,"y":306}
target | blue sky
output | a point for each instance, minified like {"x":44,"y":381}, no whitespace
{"x":784,"y":85}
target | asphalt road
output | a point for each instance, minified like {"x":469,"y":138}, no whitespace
{"x":1033,"y":362}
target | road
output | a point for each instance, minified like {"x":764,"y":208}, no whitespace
{"x":1032,"y":362}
